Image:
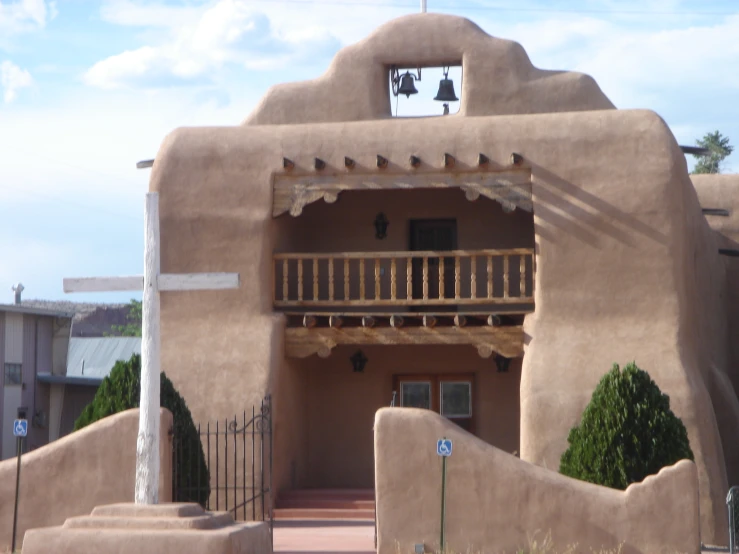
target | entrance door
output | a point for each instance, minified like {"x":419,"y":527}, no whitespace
{"x":435,"y":235}
{"x":448,"y":395}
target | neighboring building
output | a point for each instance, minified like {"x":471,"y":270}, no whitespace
{"x":89,"y":361}
{"x":49,"y":377}
{"x":33,"y":348}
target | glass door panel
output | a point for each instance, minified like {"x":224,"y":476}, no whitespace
{"x":415,"y":394}
{"x":456,"y":399}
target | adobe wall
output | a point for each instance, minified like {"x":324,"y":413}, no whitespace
{"x":626,"y":264}
{"x":340,"y":406}
{"x":496,"y":502}
{"x":70,"y":476}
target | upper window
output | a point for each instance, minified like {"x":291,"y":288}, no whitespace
{"x":13,"y":375}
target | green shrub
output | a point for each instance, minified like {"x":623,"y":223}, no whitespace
{"x":120,"y":391}
{"x":627,"y":432}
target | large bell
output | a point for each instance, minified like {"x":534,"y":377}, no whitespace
{"x":406,"y":85}
{"x":446,"y":91}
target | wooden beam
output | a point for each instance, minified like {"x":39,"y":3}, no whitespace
{"x":103,"y":284}
{"x":482,"y":159}
{"x":335,"y":321}
{"x":429,"y":321}
{"x":484,"y":350}
{"x":415,"y":161}
{"x":368,"y":321}
{"x":494,"y":320}
{"x":198,"y":281}
{"x":287,"y":164}
{"x":396,"y":321}
{"x":319,"y":164}
{"x":508,"y":341}
{"x":381,"y":162}
{"x":348,"y":162}
{"x":516,"y":159}
{"x":449,"y":161}
{"x":460,"y":320}
{"x":309,"y":321}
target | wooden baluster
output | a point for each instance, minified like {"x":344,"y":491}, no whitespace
{"x":346,"y":279}
{"x":522,"y":292}
{"x":441,"y":278}
{"x":393,"y":271}
{"x":490,"y":276}
{"x":361,"y":278}
{"x":473,"y":276}
{"x":457,"y":277}
{"x":330,"y":279}
{"x":505,"y":276}
{"x":315,"y":279}
{"x":409,"y":278}
{"x":284,"y":279}
{"x":425,"y":278}
{"x":377,"y":278}
{"x":300,"y":279}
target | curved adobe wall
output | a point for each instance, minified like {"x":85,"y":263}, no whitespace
{"x":71,"y":476}
{"x":495,"y":502}
{"x":498,"y":77}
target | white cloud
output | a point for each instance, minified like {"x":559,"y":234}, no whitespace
{"x":226,"y":32}
{"x":13,"y":78}
{"x":25,"y":15}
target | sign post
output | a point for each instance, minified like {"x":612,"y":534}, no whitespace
{"x":443,"y":449}
{"x":20,"y":430}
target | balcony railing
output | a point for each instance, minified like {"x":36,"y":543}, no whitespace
{"x":418,"y":278}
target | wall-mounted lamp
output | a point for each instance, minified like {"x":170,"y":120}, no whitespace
{"x":381,"y":224}
{"x":358,"y":360}
{"x":446,"y":89}
{"x":502,"y":363}
{"x":404,"y":84}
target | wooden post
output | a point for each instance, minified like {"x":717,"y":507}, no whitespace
{"x":409,"y":278}
{"x":425,"y":278}
{"x":473,"y":276}
{"x":300,"y":279}
{"x":377,"y":278}
{"x":522,"y":266}
{"x":490,"y":276}
{"x":315,"y":278}
{"x":505,"y":276}
{"x":347,"y":296}
{"x":331,"y":279}
{"x":284,"y":279}
{"x":361,"y":278}
{"x":441,"y":278}
{"x":457,"y":278}
{"x":393,"y":276}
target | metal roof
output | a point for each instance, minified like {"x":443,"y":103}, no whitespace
{"x":93,"y":358}
{"x":33,"y":310}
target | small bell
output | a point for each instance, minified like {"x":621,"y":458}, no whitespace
{"x":407,"y":86}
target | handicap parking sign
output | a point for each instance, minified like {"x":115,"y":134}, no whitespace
{"x":20,"y":427}
{"x":444,"y":447}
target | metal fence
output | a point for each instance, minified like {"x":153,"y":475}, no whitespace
{"x":226,"y":465}
{"x":732,"y":505}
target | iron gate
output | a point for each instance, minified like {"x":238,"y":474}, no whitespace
{"x":233,"y":470}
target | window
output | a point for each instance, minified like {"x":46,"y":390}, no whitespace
{"x":13,"y":374}
{"x":415,"y":394}
{"x":448,"y":395}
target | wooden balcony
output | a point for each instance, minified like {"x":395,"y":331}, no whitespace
{"x":456,"y":278}
{"x":463,"y":297}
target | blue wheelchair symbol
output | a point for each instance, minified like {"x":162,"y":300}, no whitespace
{"x":444,"y":447}
{"x":20,"y":427}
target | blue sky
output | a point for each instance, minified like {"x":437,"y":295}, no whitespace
{"x":89,"y":88}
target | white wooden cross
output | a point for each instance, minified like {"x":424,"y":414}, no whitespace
{"x":147,"y":444}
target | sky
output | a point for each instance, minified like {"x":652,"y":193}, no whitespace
{"x":88,"y":88}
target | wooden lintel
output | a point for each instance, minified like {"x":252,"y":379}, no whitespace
{"x":396,"y":321}
{"x":309,"y":321}
{"x":335,"y":321}
{"x":293,"y":192}
{"x":368,"y":321}
{"x":429,"y":321}
{"x":494,"y":320}
{"x":460,"y":320}
{"x":508,"y":341}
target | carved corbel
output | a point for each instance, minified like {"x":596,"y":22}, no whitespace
{"x":302,"y":196}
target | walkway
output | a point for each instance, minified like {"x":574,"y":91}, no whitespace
{"x":325,"y":537}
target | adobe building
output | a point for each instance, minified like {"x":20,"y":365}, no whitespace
{"x":490,"y":265}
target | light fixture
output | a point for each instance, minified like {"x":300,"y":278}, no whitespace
{"x":404,"y":84}
{"x":502,"y":362}
{"x":358,"y":360}
{"x":381,"y":224}
{"x":446,"y":89}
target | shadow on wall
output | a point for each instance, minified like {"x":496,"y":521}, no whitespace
{"x":496,"y":502}
{"x":73,"y":475}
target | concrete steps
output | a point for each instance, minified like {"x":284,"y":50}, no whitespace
{"x":326,"y":504}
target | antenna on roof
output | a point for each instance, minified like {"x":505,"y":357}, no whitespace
{"x":18,"y":289}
